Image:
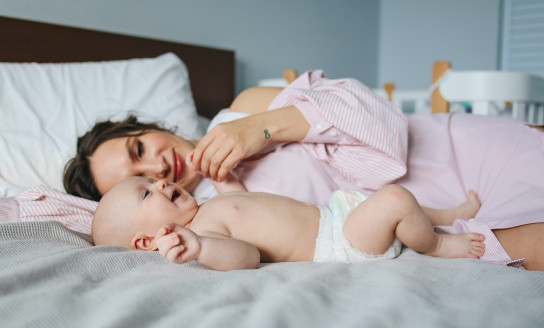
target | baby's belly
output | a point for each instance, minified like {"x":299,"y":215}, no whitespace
{"x":283,"y":230}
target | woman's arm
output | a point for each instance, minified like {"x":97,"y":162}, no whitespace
{"x":362,"y":136}
{"x":179,"y":245}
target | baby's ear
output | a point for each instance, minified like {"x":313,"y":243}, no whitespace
{"x":143,"y":242}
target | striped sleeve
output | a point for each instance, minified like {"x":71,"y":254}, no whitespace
{"x":361,"y":135}
{"x":42,"y":203}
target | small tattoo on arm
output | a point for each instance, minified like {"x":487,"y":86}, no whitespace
{"x":266,"y":134}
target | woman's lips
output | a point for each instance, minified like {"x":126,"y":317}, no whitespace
{"x":178,"y":166}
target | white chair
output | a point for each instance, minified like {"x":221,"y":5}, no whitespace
{"x":520,"y":95}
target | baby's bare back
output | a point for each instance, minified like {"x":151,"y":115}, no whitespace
{"x":282,"y":228}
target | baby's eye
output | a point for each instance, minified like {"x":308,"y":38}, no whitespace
{"x":139,"y":149}
{"x":146,"y":193}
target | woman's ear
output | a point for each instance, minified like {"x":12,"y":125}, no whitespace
{"x":143,"y":242}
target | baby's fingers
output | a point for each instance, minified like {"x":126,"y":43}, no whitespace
{"x":175,"y":254}
{"x":165,"y":229}
{"x":167,"y":242}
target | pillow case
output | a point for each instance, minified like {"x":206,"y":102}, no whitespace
{"x":45,"y":107}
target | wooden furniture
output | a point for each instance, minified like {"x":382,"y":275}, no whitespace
{"x":518,"y":94}
{"x":438,"y":103}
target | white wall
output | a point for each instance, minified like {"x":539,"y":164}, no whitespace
{"x":415,"y":33}
{"x":339,"y":36}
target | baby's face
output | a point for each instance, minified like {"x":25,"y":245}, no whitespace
{"x":149,"y":204}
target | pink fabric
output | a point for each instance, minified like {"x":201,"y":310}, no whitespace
{"x":361,"y":135}
{"x":43,"y":204}
{"x":500,"y":158}
{"x":359,"y":141}
{"x":494,"y":252}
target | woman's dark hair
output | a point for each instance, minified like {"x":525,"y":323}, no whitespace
{"x":77,"y":178}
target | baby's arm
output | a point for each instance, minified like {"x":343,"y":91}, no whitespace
{"x":229,"y":184}
{"x":180,"y":245}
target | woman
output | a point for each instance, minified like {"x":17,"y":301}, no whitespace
{"x":331,"y":134}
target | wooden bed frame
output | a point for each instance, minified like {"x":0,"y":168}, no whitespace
{"x":211,"y":71}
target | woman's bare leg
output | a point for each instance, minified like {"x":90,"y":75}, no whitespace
{"x":526,"y":241}
{"x":465,"y":211}
{"x":393,"y":211}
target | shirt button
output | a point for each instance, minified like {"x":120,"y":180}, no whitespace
{"x":334,"y":134}
{"x":319,"y":126}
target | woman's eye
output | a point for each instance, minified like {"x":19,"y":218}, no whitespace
{"x":139,"y":149}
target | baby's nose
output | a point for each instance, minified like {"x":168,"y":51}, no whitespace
{"x":160,"y":184}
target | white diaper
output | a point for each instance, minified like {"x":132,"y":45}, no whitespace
{"x":331,"y":244}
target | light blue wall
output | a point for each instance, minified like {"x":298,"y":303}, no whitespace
{"x":374,"y":41}
{"x":415,"y":33}
{"x":338,"y":36}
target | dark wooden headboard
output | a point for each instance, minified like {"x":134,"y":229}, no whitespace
{"x":211,"y":70}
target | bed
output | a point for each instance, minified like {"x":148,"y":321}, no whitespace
{"x":52,"y":275}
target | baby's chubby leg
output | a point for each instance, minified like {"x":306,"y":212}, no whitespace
{"x":393,"y":212}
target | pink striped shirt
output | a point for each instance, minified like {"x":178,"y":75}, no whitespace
{"x":42,"y":203}
{"x":360,"y":142}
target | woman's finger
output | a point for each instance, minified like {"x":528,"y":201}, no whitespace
{"x":227,"y":164}
{"x":217,"y":162}
{"x":214,"y":156}
{"x":206,"y":159}
{"x":200,"y":148}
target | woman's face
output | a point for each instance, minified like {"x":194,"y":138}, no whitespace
{"x":156,"y":155}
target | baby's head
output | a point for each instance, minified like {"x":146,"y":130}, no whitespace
{"x":132,"y":212}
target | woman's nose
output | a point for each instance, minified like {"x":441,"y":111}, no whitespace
{"x":154,"y":170}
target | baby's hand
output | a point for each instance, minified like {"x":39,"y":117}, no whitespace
{"x":177,"y":243}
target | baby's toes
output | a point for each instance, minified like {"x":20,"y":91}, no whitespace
{"x":478,"y":249}
{"x":477,"y":237}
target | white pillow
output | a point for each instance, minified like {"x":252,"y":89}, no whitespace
{"x":45,"y":107}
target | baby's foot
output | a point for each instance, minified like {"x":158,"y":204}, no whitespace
{"x":462,"y":245}
{"x":469,"y":208}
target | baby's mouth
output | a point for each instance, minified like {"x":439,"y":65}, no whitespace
{"x":175,"y":195}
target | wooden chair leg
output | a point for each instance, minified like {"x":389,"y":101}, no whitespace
{"x":290,"y":75}
{"x":438,"y":103}
{"x":389,"y":87}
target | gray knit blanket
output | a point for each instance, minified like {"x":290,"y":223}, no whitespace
{"x":53,"y":277}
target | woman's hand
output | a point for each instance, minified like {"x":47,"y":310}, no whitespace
{"x":228,"y":143}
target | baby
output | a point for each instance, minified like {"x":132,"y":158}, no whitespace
{"x":238,"y":229}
